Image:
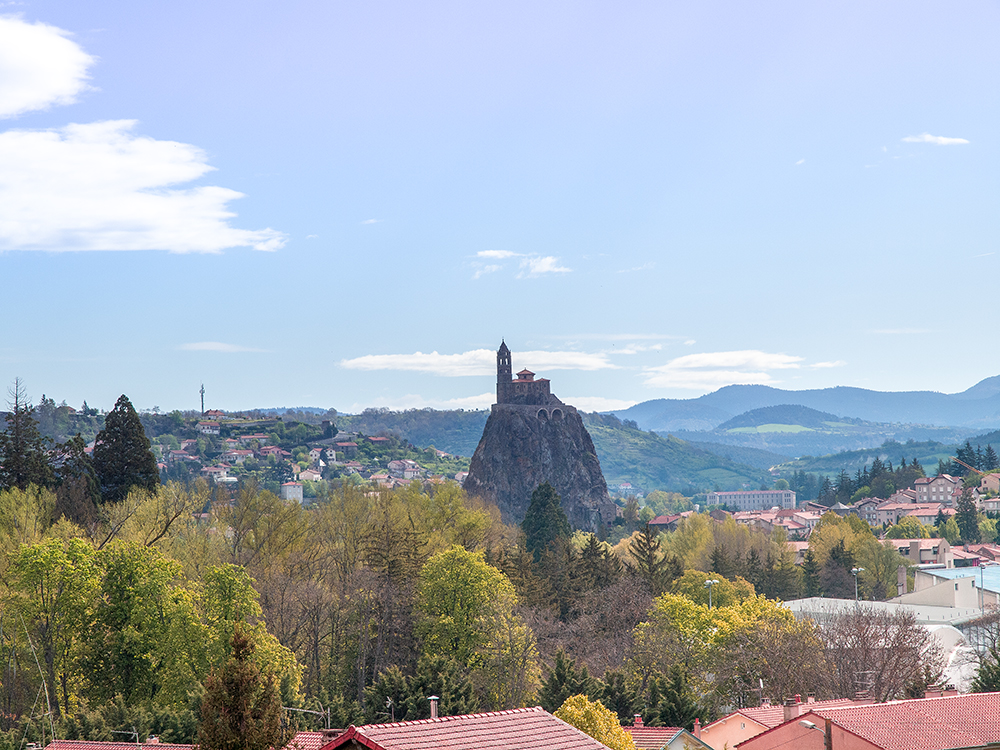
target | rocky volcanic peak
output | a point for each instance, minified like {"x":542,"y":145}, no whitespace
{"x":523,"y":446}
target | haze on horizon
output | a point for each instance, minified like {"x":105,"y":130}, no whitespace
{"x":349,"y":205}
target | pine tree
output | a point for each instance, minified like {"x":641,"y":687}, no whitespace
{"x":990,"y":460}
{"x":967,"y":517}
{"x":563,"y":682}
{"x":654,"y":567}
{"x":810,"y":574}
{"x":672,"y":702}
{"x":122,"y":457}
{"x":23,"y":451}
{"x":545,"y":521}
{"x":615,"y":692}
{"x":241,"y":709}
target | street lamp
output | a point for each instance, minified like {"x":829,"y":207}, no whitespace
{"x":708,"y":585}
{"x":854,"y":572}
{"x":827,"y":735}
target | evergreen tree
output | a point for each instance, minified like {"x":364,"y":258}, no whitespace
{"x":810,"y":574}
{"x":443,"y":677}
{"x":672,"y":702}
{"x":615,"y":692}
{"x":563,"y":682}
{"x":241,"y":709}
{"x":654,"y":567}
{"x":990,"y":460}
{"x":545,"y":521}
{"x":967,"y":517}
{"x":987,"y":679}
{"x":721,"y":564}
{"x":122,"y":457}
{"x":599,"y":566}
{"x":835,"y":576}
{"x":77,"y":492}
{"x":24,"y":456}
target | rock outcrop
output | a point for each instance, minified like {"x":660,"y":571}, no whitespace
{"x":543,"y":440}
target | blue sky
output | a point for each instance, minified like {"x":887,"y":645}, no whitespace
{"x":347,"y":204}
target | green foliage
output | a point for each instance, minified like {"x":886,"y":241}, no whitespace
{"x":24,"y":458}
{"x":908,"y":528}
{"x":564,"y":681}
{"x":655,"y":567}
{"x":949,"y":530}
{"x":122,"y":455}
{"x":967,"y":517}
{"x":724,"y":592}
{"x":241,"y":709}
{"x":544,"y":521}
{"x":592,"y":718}
{"x":672,"y":702}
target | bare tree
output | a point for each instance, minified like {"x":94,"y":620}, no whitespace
{"x":878,"y":651}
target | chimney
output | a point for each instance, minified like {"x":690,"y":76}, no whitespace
{"x":697,"y":728}
{"x":152,"y":740}
{"x":798,"y":698}
{"x":637,"y":720}
{"x":765,"y":701}
{"x":434,"y":705}
{"x":810,"y":697}
{"x":950,"y":690}
{"x":790,"y":710}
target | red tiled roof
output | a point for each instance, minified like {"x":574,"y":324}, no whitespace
{"x":924,"y":724}
{"x":312,"y":740}
{"x":82,"y":745}
{"x":517,"y":729}
{"x":652,"y":738}
{"x":773,"y":715}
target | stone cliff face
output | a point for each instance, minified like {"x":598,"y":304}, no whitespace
{"x":523,"y":446}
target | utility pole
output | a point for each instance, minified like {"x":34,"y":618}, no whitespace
{"x":203,"y":399}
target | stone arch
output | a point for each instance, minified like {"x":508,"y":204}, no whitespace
{"x":557,"y":415}
{"x":543,"y":415}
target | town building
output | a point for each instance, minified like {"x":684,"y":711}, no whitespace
{"x":943,"y":488}
{"x":753,"y":499}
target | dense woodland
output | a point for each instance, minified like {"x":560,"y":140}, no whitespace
{"x":122,"y":596}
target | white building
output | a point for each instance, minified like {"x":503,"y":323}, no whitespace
{"x":754,"y":499}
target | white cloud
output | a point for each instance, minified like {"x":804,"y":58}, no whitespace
{"x":477,"y":362}
{"x":98,"y":186}
{"x":825,"y":365}
{"x":800,"y":161}
{"x":415,"y":401}
{"x":485,"y":270}
{"x":536,"y":266}
{"x":496,"y":254}
{"x":716,"y":369}
{"x":216,"y":346}
{"x":39,"y":67}
{"x":937,"y":140}
{"x":371,"y":221}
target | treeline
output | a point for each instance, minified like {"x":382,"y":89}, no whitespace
{"x":881,"y":481}
{"x":970,"y":460}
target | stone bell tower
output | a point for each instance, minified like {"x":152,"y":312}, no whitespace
{"x":504,"y":384}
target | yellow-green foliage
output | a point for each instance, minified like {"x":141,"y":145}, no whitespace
{"x":724,"y":593}
{"x":592,"y":718}
{"x":908,"y":528}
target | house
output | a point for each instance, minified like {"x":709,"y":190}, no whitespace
{"x":460,"y":476}
{"x":349,"y":449}
{"x":515,"y":729}
{"x":404,"y":469}
{"x":215,"y":414}
{"x":188,"y":443}
{"x":665,"y":523}
{"x":930,"y":723}
{"x":990,"y":483}
{"x":663,"y":738}
{"x":208,"y":428}
{"x":237,"y":456}
{"x":745,"y":723}
{"x":867,"y":509}
{"x":260,"y":437}
{"x":940,"y":489}
{"x":379,"y":440}
{"x":927,"y":515}
{"x":315,"y":454}
{"x":753,"y":499}
{"x":888,"y":514}
{"x":902,"y":496}
{"x":310,"y":475}
{"x":925,"y":551}
{"x":215,"y":473}
{"x":292,"y":491}
{"x":152,"y":742}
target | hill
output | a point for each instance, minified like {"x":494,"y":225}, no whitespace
{"x":646,"y":460}
{"x":928,"y":453}
{"x":778,"y":418}
{"x":977,"y":407}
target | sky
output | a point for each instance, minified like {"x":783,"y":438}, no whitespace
{"x":349,"y":204}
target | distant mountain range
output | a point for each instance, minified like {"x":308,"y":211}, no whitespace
{"x":977,"y":408}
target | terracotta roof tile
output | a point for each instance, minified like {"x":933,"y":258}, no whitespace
{"x":924,"y":724}
{"x":82,"y":745}
{"x":517,"y":729}
{"x":773,"y":715}
{"x":652,"y":738}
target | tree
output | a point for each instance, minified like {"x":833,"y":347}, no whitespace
{"x":592,"y":718}
{"x":122,"y":457}
{"x":563,"y":682}
{"x":23,"y":451}
{"x":908,"y":528}
{"x":949,"y":530}
{"x":672,"y":702}
{"x":810,"y":575}
{"x":545,"y":521}
{"x":967,"y":517}
{"x":241,"y":709}
{"x":655,"y":568}
{"x":892,"y":649}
